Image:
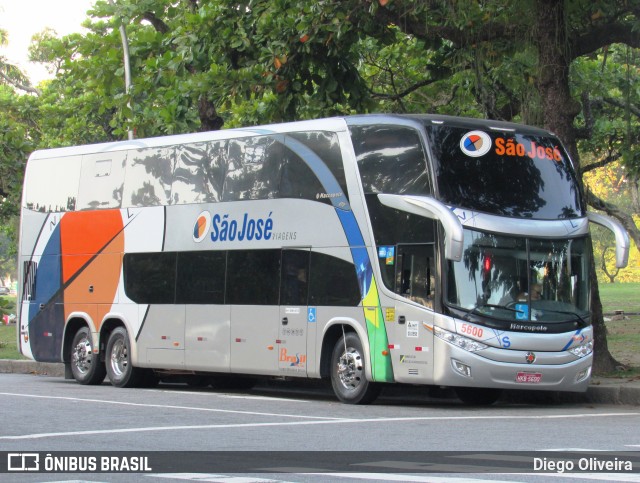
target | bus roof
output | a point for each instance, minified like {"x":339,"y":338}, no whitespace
{"x":327,"y":124}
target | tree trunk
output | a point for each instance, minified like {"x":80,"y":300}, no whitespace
{"x":559,"y":111}
{"x":603,"y":361}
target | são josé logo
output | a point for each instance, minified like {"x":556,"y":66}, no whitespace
{"x":201,"y":227}
{"x":222,"y":228}
{"x":475,"y":144}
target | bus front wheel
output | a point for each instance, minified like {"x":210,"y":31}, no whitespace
{"x":85,"y":364}
{"x":119,"y":368}
{"x":348,"y":375}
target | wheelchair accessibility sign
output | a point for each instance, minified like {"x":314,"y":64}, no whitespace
{"x":311,"y":314}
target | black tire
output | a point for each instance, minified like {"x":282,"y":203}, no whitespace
{"x":348,"y":372}
{"x":86,"y":366}
{"x":149,"y":379}
{"x":478,"y":396}
{"x":118,"y":361}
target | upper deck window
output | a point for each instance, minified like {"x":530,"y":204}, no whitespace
{"x":391,"y":159}
{"x":504,"y":173}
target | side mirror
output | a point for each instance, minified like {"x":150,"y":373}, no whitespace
{"x":622,"y":238}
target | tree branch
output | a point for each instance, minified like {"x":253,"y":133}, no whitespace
{"x":606,"y":34}
{"x":617,"y":103}
{"x":602,"y":163}
{"x":157,"y":23}
{"x":490,"y":31}
{"x":612,"y":210}
{"x":405,"y":93}
{"x":19,"y":85}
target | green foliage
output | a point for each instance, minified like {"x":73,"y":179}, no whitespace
{"x":198,"y":64}
{"x":18,"y":137}
{"x":609,"y":86}
{"x":7,"y":306}
{"x":9,"y":342}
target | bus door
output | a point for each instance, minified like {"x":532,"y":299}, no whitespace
{"x":253,"y":278}
{"x":294,"y":322}
{"x":415,"y":280}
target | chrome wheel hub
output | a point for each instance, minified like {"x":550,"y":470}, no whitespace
{"x":82,"y":356}
{"x":119,"y":358}
{"x":350,"y":368}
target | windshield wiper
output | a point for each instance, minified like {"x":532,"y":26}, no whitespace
{"x":577,"y":316}
{"x":491,"y":306}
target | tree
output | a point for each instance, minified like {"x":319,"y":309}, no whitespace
{"x":18,"y":134}
{"x":197,"y":62}
{"x":9,"y":73}
{"x":561,"y":109}
{"x":558,"y":33}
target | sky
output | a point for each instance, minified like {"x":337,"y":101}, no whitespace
{"x":23,"y":18}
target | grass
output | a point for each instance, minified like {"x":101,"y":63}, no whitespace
{"x":9,"y":342}
{"x":623,"y":334}
{"x":620,"y":296}
{"x":8,"y":336}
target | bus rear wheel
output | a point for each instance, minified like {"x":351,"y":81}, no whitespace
{"x":348,"y":372}
{"x":118,"y":357}
{"x":86,"y":366}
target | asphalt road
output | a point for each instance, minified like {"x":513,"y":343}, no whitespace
{"x":50,"y":414}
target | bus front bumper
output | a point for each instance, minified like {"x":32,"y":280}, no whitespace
{"x":457,"y":367}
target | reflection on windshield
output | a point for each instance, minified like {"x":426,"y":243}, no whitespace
{"x":519,"y":175}
{"x":520,"y":279}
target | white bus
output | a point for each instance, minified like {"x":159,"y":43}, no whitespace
{"x":425,"y":250}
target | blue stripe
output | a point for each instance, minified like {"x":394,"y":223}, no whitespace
{"x":571,"y":341}
{"x":330,"y":184}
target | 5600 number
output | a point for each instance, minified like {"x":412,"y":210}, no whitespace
{"x":472,"y":330}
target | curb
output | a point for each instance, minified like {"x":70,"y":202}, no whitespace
{"x":601,"y":391}
{"x":8,"y":366}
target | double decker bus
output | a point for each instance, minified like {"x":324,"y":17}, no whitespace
{"x":424,"y":250}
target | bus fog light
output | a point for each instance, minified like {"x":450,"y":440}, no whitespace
{"x":582,"y":350}
{"x":458,"y":340}
{"x":582,"y":375}
{"x":461,"y":368}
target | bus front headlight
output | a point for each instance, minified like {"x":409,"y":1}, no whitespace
{"x":583,"y":350}
{"x":465,"y":343}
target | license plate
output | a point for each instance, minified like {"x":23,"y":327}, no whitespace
{"x":529,"y":377}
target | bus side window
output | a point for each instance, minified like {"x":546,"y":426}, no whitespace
{"x":253,"y":277}
{"x":333,"y":281}
{"x":415,"y":273}
{"x":294,"y":277}
{"x":150,"y":278}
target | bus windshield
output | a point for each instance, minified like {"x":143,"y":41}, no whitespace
{"x":520,"y":279}
{"x":505,"y":173}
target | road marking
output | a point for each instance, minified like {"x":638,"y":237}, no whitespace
{"x":430,"y":478}
{"x":632,"y":478}
{"x":294,"y":423}
{"x":147,"y":405}
{"x":412,"y":478}
{"x":214,"y":478}
{"x":573,"y":450}
{"x":307,"y":420}
{"x":230,"y":396}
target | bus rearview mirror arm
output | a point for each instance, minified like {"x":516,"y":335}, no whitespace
{"x":435,"y":210}
{"x":622,"y":238}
